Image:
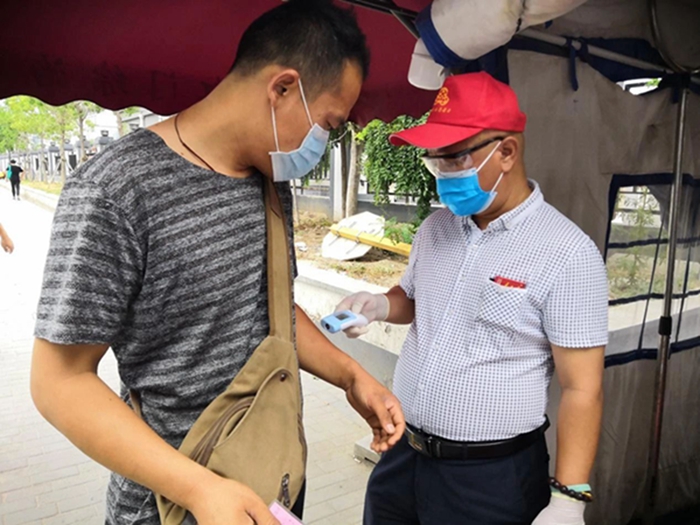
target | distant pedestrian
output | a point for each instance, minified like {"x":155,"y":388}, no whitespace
{"x":13,"y":172}
{"x":5,"y":242}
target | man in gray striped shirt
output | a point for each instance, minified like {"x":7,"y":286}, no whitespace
{"x":158,"y":250}
{"x":500,"y":287}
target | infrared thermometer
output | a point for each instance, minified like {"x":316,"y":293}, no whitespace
{"x":339,"y":321}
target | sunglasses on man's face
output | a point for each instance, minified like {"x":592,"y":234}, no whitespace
{"x":442,"y":165}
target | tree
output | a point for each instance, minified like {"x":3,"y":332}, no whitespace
{"x":66,"y":119}
{"x":83,"y":109}
{"x":400,"y":169}
{"x":120,"y":114}
{"x":354,"y":168}
{"x":9,"y":135}
{"x":33,"y":117}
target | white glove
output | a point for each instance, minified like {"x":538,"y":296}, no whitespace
{"x":375,"y":307}
{"x":561,"y":510}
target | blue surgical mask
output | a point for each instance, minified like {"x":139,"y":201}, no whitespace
{"x":462,"y":193}
{"x":288,"y":165}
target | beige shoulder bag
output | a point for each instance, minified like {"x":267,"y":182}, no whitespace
{"x":253,"y":432}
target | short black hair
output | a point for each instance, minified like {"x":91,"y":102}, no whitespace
{"x":13,"y":161}
{"x":314,"y":37}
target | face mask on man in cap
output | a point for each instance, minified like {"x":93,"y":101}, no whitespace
{"x":460,"y":190}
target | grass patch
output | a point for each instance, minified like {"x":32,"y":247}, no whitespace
{"x":48,"y":187}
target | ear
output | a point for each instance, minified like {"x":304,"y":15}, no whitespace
{"x":281,"y":85}
{"x":510,"y":151}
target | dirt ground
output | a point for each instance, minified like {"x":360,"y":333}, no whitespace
{"x":377,"y":266}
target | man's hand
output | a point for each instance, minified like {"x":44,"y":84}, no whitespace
{"x":375,"y":307}
{"x":7,"y":244}
{"x":227,"y":502}
{"x":380,"y":408}
{"x":561,"y":511}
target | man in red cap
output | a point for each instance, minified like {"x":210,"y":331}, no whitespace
{"x":499,"y":289}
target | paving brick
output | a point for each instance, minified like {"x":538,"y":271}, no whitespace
{"x":337,"y":490}
{"x":84,"y":516}
{"x":9,"y":464}
{"x":60,"y":445}
{"x":351,"y":516}
{"x":349,"y":500}
{"x":17,"y":505}
{"x":7,"y":432}
{"x":56,"y":461}
{"x":92,"y":467}
{"x":57,"y":495}
{"x":100,"y":511}
{"x":319,"y":482}
{"x":342,"y":461}
{"x":9,"y":483}
{"x":72,"y":481}
{"x":25,"y":492}
{"x":313,"y":513}
{"x":81,"y":501}
{"x":30,"y":515}
{"x":55,"y":474}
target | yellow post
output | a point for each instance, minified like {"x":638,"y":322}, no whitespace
{"x":369,"y":239}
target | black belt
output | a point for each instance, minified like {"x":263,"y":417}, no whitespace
{"x":439,"y":448}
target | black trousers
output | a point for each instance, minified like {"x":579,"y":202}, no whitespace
{"x":15,"y":187}
{"x":407,"y":488}
{"x":298,"y":507}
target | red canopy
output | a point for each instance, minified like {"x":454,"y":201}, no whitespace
{"x":166,"y":55}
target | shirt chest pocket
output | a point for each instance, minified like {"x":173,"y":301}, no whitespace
{"x":500,"y":308}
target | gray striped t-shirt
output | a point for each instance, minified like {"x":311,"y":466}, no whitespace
{"x":164,"y":261}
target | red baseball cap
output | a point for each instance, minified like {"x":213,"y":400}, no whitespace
{"x":465,"y":106}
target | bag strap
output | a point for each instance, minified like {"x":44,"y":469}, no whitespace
{"x":279,"y":280}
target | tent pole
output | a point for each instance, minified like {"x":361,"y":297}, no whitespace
{"x":666,"y":321}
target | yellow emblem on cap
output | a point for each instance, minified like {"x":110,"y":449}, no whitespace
{"x":441,"y":101}
{"x":443,"y":97}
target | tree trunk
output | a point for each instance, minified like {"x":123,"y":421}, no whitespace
{"x":353,"y":176}
{"x":81,"y":130}
{"x":42,"y":161}
{"x":62,"y":153}
{"x":27,"y":165}
{"x":295,"y":201}
{"x":120,"y":123}
{"x":344,"y":167}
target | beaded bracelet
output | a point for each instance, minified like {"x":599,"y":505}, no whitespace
{"x":584,"y":496}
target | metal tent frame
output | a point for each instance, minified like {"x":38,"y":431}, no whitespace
{"x":407,"y":17}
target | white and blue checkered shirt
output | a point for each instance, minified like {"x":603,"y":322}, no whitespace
{"x":477,"y":362}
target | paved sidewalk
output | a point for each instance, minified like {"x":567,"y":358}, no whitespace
{"x":45,"y":480}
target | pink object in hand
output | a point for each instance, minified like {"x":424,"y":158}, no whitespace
{"x":283,"y":515}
